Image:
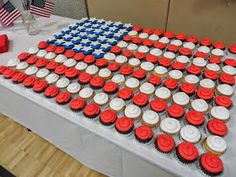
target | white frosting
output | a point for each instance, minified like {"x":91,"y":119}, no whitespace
{"x":213,"y":67}
{"x":62,"y":83}
{"x":104,"y":73}
{"x":220,"y":112}
{"x":207,"y":83}
{"x":110,"y":56}
{"x":42,"y":73}
{"x":170,"y":55}
{"x":117,"y":104}
{"x":134,"y":62}
{"x":60,"y":58}
{"x":192,"y":79}
{"x":122,"y":44}
{"x":101,"y":98}
{"x":156,"y":52}
{"x":181,"y":98}
{"x":22,"y":65}
{"x":150,"y":117}
{"x":176,"y":42}
{"x":143,"y":49}
{"x":132,"y":111}
{"x":164,"y":40}
{"x":33,"y":50}
{"x":225,"y":89}
{"x":73,"y":88}
{"x":199,"y":105}
{"x":160,"y":70}
{"x":147,"y":66}
{"x":203,"y":49}
{"x":199,"y":62}
{"x":121,"y":59}
{"x":163,"y":93}
{"x":133,"y":33}
{"x":92,"y":69}
{"x":70,"y":62}
{"x":229,"y":70}
{"x":143,"y":35}
{"x":218,"y":52}
{"x":13,"y":62}
{"x":189,"y":45}
{"x":118,"y":78}
{"x":183,"y":59}
{"x":132,"y":47}
{"x":41,"y":53}
{"x":86,"y":93}
{"x":216,"y":143}
{"x":81,"y":66}
{"x":154,"y":37}
{"x":170,"y":125}
{"x":132,"y":83}
{"x":190,"y":134}
{"x":52,"y":78}
{"x":50,"y":55}
{"x":31,"y":70}
{"x":176,"y":74}
{"x":147,"y":88}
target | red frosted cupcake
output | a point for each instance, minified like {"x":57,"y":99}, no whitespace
{"x":59,"y":50}
{"x":187,"y":152}
{"x":42,"y":45}
{"x":143,"y":134}
{"x":60,"y":69}
{"x":210,"y":75}
{"x":149,"y":31}
{"x":101,"y":63}
{"x":151,"y":58}
{"x":169,"y":35}
{"x":140,"y":99}
{"x":116,"y":50}
{"x":97,"y":82}
{"x":159,"y":45}
{"x":155,"y":80}
{"x":195,"y":118}
{"x":214,"y":59}
{"x":51,"y":91}
{"x":166,"y":62}
{"x":127,"y":38}
{"x":127,"y":53}
{"x":186,"y":51}
{"x":165,"y":143}
{"x":32,"y":60}
{"x":137,"y":28}
{"x":158,"y":105}
{"x":199,"y":54}
{"x":230,"y":62}
{"x":125,"y":93}
{"x":175,"y":111}
{"x":113,"y":67}
{"x":224,"y":101}
{"x":194,"y":70}
{"x":187,"y":88}
{"x":227,"y":79}
{"x":158,"y":32}
{"x":51,"y":48}
{"x":71,"y":73}
{"x":108,"y":117}
{"x":219,"y":45}
{"x":23,"y":56}
{"x":89,"y":59}
{"x":18,"y":78}
{"x":137,"y":40}
{"x":173,"y":48}
{"x":232,"y":49}
{"x":69,"y":53}
{"x":30,"y":81}
{"x":148,"y":43}
{"x":126,"y":70}
{"x":139,"y":74}
{"x":217,"y":127}
{"x":77,"y":104}
{"x":171,"y":84}
{"x":140,"y":55}
{"x":63,"y":98}
{"x":42,"y":62}
{"x":181,"y":36}
{"x":124,"y":125}
{"x":110,"y":87}
{"x":40,"y":86}
{"x":2,"y":69}
{"x":205,"y":94}
{"x":52,"y":65}
{"x":8,"y":73}
{"x":84,"y":78}
{"x":192,"y":39}
{"x":91,"y":110}
{"x":206,"y":42}
{"x":79,"y":56}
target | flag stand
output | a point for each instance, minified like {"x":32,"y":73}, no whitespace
{"x":30,"y":22}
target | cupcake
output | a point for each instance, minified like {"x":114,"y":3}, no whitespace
{"x":204,"y":49}
{"x":117,"y":104}
{"x":200,"y":62}
{"x":165,"y":62}
{"x":147,"y":88}
{"x":156,"y":52}
{"x":193,"y":69}
{"x":183,"y":59}
{"x":175,"y":111}
{"x":125,"y":93}
{"x":18,"y":78}
{"x":205,"y":94}
{"x":118,"y":79}
{"x":124,"y":125}
{"x":41,"y":53}
{"x":139,"y":74}
{"x":132,"y":83}
{"x":70,"y":63}
{"x":150,"y":118}
{"x":160,"y":71}
{"x":170,"y":126}
{"x":51,"y":91}
{"x":120,"y":59}
{"x":77,"y":104}
{"x":192,"y":79}
{"x":110,"y":87}
{"x":40,"y":86}
{"x":164,"y":143}
{"x":32,"y":60}
{"x":60,"y":69}
{"x":133,"y":112}
{"x":215,"y":145}
{"x":147,"y":66}
{"x":199,"y":105}
{"x":134,"y":62}
{"x":217,"y":52}
{"x":187,"y":88}
{"x":108,"y":117}
{"x":171,"y":84}
{"x":143,"y":134}
{"x":140,"y":99}
{"x":195,"y":118}
{"x":101,"y":63}
{"x":154,"y":80}
{"x":217,"y":127}
{"x":213,"y":67}
{"x":176,"y":74}
{"x":97,"y":82}
{"x":84,"y":78}
{"x":190,"y":134}
{"x":22,"y":66}
{"x":101,"y":99}
{"x":110,"y":57}
{"x":229,"y":70}
{"x":189,"y":45}
{"x":81,"y":66}
{"x":91,"y":110}
{"x":232,"y":50}
{"x":230,"y":62}
{"x":163,"y":93}
{"x":62,"y":83}
{"x":224,"y":101}
{"x":23,"y":56}
{"x":158,"y":105}
{"x":113,"y":67}
{"x":51,"y":66}
{"x":105,"y":73}
{"x":220,"y":113}
{"x":224,"y":89}
{"x":126,"y":70}
{"x":169,"y":55}
{"x":13,"y":62}
{"x":92,"y":70}
{"x":30,"y":81}
{"x":63,"y":98}
{"x":73,"y":88}
{"x":151,"y":58}
{"x":42,"y":73}
{"x":86,"y":93}
{"x":50,"y":56}
{"x":8,"y":73}
{"x":187,"y":152}
{"x":89,"y":59}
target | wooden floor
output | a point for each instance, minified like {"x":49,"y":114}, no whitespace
{"x":25,"y":154}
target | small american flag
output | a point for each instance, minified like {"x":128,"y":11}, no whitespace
{"x":8,"y":13}
{"x":42,"y":8}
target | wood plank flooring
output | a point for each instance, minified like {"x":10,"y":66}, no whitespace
{"x":25,"y":154}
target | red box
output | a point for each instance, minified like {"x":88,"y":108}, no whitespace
{"x":3,"y":43}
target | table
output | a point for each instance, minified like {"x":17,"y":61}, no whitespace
{"x":98,"y":147}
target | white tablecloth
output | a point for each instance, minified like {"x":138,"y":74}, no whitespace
{"x":95,"y":145}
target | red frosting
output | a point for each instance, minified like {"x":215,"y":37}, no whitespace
{"x":178,"y":66}
{"x":52,"y":65}
{"x":158,"y":105}
{"x":23,"y":56}
{"x":169,"y":35}
{"x":40,"y":86}
{"x":63,"y":97}
{"x":77,"y":104}
{"x":219,"y":45}
{"x":140,"y":55}
{"x":192,"y":39}
{"x":60,"y":69}
{"x":166,"y":62}
{"x":84,"y":78}
{"x":217,"y":127}
{"x":151,"y":58}
{"x":60,"y":50}
{"x":102,"y":62}
{"x":110,"y":87}
{"x":124,"y":124}
{"x":137,"y":40}
{"x":69,"y":53}
{"x":126,"y":70}
{"x":91,"y":110}
{"x":127,"y":53}
{"x":2,"y":69}
{"x":165,"y":143}
{"x":79,"y":56}
{"x":127,"y":38}
{"x":214,"y":59}
{"x":194,"y":70}
{"x":173,"y":48}
{"x":223,"y":101}
{"x":187,"y":88}
{"x":143,"y":133}
{"x":149,"y":31}
{"x":171,"y":83}
{"x":227,"y":79}
{"x":19,"y":77}
{"x":195,"y":118}
{"x":158,"y":31}
{"x":137,"y":28}
{"x":230,"y":62}
{"x":205,"y":42}
{"x":181,"y":36}
{"x":175,"y":111}
{"x":42,"y":45}
{"x":116,"y":49}
{"x":113,"y":66}
{"x":205,"y":93}
{"x":232,"y":48}
{"x":148,"y":42}
{"x":51,"y":48}
{"x":8,"y":73}
{"x":211,"y":163}
{"x":210,"y":74}
{"x":32,"y":60}
{"x":159,"y":45}
{"x":97,"y":82}
{"x":139,"y":74}
{"x":42,"y":62}
{"x":108,"y":116}
{"x":71,"y":73}
{"x":125,"y":93}
{"x":30,"y":81}
{"x":155,"y":80}
{"x":187,"y":151}
{"x":200,"y":55}
{"x":51,"y":91}
{"x":140,"y":99}
{"x":89,"y":59}
{"x":186,"y":52}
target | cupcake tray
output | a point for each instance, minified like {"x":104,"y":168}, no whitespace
{"x":146,"y":151}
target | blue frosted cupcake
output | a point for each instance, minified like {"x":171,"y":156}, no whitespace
{"x":108,"y":34}
{"x":87,"y":50}
{"x":102,"y":39}
{"x":95,"y":45}
{"x":105,"y":47}
{"x":65,"y":31}
{"x":76,"y":40}
{"x":85,"y":42}
{"x":68,"y":45}
{"x":67,"y":37}
{"x":111,"y":41}
{"x":92,"y":37}
{"x":98,"y":53}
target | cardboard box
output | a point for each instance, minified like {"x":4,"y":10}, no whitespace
{"x":214,"y":19}
{"x":148,"y":13}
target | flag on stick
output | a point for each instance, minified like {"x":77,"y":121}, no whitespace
{"x":42,"y":8}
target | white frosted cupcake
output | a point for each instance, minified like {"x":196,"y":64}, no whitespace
{"x":192,"y":79}
{"x":62,"y":83}
{"x":22,"y":66}
{"x":70,"y":63}
{"x":143,"y":49}
{"x":170,"y":55}
{"x":122,"y":44}
{"x":189,"y":45}
{"x":213,"y":67}
{"x":176,"y":74}
{"x":183,"y":59}
{"x":204,"y":49}
{"x":133,"y":33}
{"x":105,"y":73}
{"x":224,"y":89}
{"x":153,"y":37}
{"x":50,"y":56}
{"x":170,"y":126}
{"x":200,"y":62}
{"x":132,"y":111}
{"x":132,"y":47}
{"x":217,"y":52}
{"x":220,"y":113}
{"x":164,"y":40}
{"x":110,"y":57}
{"x":147,"y":66}
{"x":207,"y":83}
{"x":117,"y":104}
{"x":215,"y":144}
{"x":156,"y":52}
{"x":200,"y":105}
{"x":143,"y":35}
{"x":132,"y":83}
{"x":190,"y":134}
{"x":73,"y":88}
{"x":13,"y":62}
{"x":33,"y":50}
{"x":163,"y":93}
{"x":42,"y":73}
{"x":41,"y":53}
{"x":147,"y":88}
{"x":92,"y":69}
{"x":181,"y":98}
{"x":176,"y":42}
{"x":150,"y":118}
{"x":229,"y":70}
{"x":32,"y":70}
{"x":160,"y":71}
{"x":120,"y":59}
{"x":81,"y":66}
{"x":86,"y":93}
{"x":52,"y":78}
{"x":60,"y":58}
{"x":134,"y":62}
{"x":118,"y":79}
{"x":101,"y":99}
